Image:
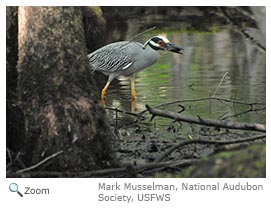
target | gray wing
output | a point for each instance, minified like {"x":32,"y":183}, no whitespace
{"x":113,"y":57}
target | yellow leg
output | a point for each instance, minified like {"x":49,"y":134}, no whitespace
{"x":133,"y":90}
{"x":133,"y":105}
{"x":104,"y":91}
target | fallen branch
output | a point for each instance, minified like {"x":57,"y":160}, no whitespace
{"x":39,"y":163}
{"x":204,"y":141}
{"x":207,"y":122}
{"x":110,"y":172}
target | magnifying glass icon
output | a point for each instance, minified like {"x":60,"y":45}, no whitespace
{"x":13,"y":187}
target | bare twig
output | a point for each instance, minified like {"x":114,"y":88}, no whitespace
{"x":9,"y":154}
{"x":133,"y":38}
{"x":167,"y":164}
{"x":223,"y":100}
{"x":243,"y":112}
{"x":138,"y":116}
{"x":204,"y":141}
{"x":39,"y":163}
{"x":123,"y":111}
{"x":112,"y":171}
{"x":241,"y":30}
{"x":207,"y":122}
{"x":210,"y":98}
{"x":220,"y":83}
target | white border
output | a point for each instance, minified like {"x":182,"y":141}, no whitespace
{"x":3,"y":92}
{"x":135,"y":3}
{"x":83,"y":192}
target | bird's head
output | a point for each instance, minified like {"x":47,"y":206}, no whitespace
{"x":162,"y":43}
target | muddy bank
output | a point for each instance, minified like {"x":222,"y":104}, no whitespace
{"x":141,"y":147}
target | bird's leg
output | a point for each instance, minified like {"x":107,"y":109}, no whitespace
{"x":133,"y":90}
{"x":104,"y":91}
{"x":133,"y":105}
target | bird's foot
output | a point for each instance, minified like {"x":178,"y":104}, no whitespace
{"x":103,"y":100}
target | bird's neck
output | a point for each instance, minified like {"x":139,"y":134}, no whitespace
{"x":150,"y":53}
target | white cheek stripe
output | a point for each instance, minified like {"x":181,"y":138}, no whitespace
{"x":155,"y":44}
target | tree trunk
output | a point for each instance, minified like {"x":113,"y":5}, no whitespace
{"x":94,"y":27}
{"x":15,"y":119}
{"x":58,"y":94}
{"x":95,"y":30}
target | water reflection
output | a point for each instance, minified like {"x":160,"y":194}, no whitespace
{"x":196,"y":73}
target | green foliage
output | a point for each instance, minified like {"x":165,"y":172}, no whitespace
{"x":248,"y":162}
{"x":243,"y":163}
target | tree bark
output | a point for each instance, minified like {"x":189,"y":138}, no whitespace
{"x":15,"y":119}
{"x":12,"y":46}
{"x":95,"y":33}
{"x":94,"y":27}
{"x":58,"y":94}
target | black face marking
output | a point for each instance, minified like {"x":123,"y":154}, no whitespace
{"x":154,"y":47}
{"x":158,"y":41}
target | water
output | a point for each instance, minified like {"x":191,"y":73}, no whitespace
{"x":197,"y":73}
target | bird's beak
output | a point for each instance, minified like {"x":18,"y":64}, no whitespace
{"x":174,"y":48}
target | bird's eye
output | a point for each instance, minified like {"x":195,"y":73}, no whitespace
{"x":162,"y":43}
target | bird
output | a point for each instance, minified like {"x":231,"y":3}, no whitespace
{"x":125,"y":58}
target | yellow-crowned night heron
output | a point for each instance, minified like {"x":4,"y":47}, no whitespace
{"x":128,"y":57}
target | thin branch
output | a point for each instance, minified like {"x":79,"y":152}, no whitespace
{"x":122,"y":111}
{"x":39,"y":163}
{"x":156,"y":165}
{"x":220,"y":83}
{"x":241,"y":113}
{"x":209,"y":98}
{"x":9,"y":155}
{"x":241,"y":30}
{"x":207,"y":122}
{"x":202,"y":99}
{"x":204,"y":141}
{"x":133,"y":38}
{"x":167,"y":164}
{"x":111,"y":171}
